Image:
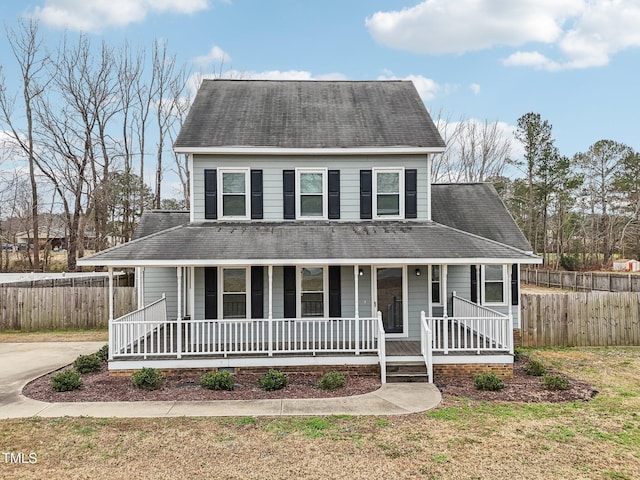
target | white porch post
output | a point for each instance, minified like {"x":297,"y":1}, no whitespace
{"x":356,"y":282}
{"x":140,"y":286}
{"x":192,"y":292}
{"x":179,"y":319}
{"x":110,"y":321}
{"x":270,"y":274}
{"x":509,"y":332}
{"x":445,"y":308}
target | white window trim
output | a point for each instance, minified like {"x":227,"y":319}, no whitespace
{"x":325,"y":290}
{"x":430,"y":273}
{"x":325,"y":196}
{"x":400,"y":172}
{"x":247,"y":193}
{"x":221,"y":292}
{"x":505,"y":287}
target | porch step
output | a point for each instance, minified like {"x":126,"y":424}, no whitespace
{"x":407,"y":372}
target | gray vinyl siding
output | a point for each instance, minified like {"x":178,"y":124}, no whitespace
{"x":158,"y":281}
{"x":418,"y":297}
{"x":347,"y":287}
{"x":459,"y":281}
{"x":272,"y":168}
{"x":198,"y":308}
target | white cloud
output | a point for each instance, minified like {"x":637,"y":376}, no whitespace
{"x":443,"y":26}
{"x":96,"y":15}
{"x":427,"y":88}
{"x":475,"y":88}
{"x":215,"y":56}
{"x":585,"y":33}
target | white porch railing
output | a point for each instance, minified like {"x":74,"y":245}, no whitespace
{"x":382,"y":349}
{"x":473,"y":328}
{"x":426,"y":345}
{"x":245,"y":337}
{"x":135,"y":330}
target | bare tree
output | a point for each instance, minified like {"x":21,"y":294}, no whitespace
{"x":26,"y":45}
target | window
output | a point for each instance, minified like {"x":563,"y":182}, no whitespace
{"x":435,"y":285}
{"x":311,"y":193}
{"x":234,"y":293}
{"x":312,"y":292}
{"x":388,"y":187}
{"x":494,"y":284}
{"x":234,"y":193}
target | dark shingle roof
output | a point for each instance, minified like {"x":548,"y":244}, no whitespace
{"x":476,"y":208}
{"x":202,"y":242}
{"x":308,"y":114}
{"x":155,"y":221}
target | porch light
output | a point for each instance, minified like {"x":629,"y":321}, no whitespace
{"x":418,"y":272}
{"x":361,"y":272}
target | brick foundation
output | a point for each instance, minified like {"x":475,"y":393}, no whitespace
{"x":503,"y":370}
{"x":318,"y":370}
{"x":517,"y":337}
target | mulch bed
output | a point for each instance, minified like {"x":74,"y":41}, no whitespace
{"x":100,"y":387}
{"x":521,"y":388}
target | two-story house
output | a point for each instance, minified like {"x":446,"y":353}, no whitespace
{"x":315,"y":239}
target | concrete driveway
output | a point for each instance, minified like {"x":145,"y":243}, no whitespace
{"x":22,"y":362}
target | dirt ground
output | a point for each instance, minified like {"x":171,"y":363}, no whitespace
{"x":101,"y":387}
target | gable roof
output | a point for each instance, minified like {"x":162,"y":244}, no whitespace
{"x":313,"y":242}
{"x":154,"y":221}
{"x":307,"y":114}
{"x":476,"y":208}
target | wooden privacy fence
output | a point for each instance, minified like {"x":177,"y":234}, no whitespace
{"x":61,"y":308}
{"x":582,"y":281}
{"x":580,"y":319}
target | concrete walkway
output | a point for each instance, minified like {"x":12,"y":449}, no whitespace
{"x":22,"y":362}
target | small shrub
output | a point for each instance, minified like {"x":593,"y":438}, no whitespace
{"x":103,"y":353}
{"x":66,"y":380}
{"x":216,"y":381}
{"x":87,"y":363}
{"x":332,"y":381}
{"x":488,"y":381}
{"x":569,"y":262}
{"x":147,"y":379}
{"x":555,"y":382}
{"x":273,"y":380}
{"x":535,"y":368}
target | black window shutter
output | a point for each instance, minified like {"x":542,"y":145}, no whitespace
{"x":257,"y":292}
{"x":210,"y":194}
{"x":289,"y":280}
{"x":474,"y":284}
{"x":410,"y":193}
{"x":289,"y":192}
{"x":335,"y":307}
{"x":211,"y":293}
{"x":334,"y":194}
{"x":515,"y":284}
{"x":256,"y":194}
{"x":366,"y":194}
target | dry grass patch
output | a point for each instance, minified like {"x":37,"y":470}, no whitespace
{"x":54,"y":336}
{"x":463,"y":439}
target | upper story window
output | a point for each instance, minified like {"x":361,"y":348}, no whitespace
{"x":494,"y":291}
{"x":388,"y":193}
{"x":234,"y":193}
{"x":311,"y":195}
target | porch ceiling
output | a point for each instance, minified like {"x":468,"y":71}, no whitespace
{"x":308,"y":242}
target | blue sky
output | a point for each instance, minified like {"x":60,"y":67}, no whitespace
{"x":575,"y":62}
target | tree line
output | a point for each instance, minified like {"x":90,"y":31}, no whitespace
{"x":88,"y":120}
{"x":87,"y":123}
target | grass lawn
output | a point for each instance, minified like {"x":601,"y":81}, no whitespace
{"x":54,"y":336}
{"x":461,"y":440}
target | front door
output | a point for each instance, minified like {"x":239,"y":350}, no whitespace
{"x":389,"y":295}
